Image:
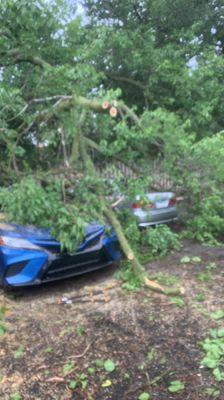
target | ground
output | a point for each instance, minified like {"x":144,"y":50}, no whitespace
{"x":52,"y":344}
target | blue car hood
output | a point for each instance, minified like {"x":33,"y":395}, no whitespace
{"x":43,"y":237}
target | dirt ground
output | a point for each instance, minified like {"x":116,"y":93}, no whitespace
{"x":57,"y":350}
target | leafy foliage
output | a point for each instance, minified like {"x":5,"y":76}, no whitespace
{"x":144,"y":396}
{"x":160,"y":240}
{"x":176,"y":386}
{"x":19,"y":352}
{"x":29,"y":203}
{"x":178,"y":301}
{"x":164,"y":279}
{"x":109,"y":365}
{"x":15,"y":396}
{"x":3,"y":328}
{"x":214,"y":349}
{"x":131,"y":280}
{"x":216,"y":315}
{"x":207,"y":225}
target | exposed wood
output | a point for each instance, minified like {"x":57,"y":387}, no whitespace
{"x":113,"y":112}
{"x":106,"y":105}
{"x":152,"y":285}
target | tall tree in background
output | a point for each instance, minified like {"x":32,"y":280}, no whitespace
{"x":163,"y":54}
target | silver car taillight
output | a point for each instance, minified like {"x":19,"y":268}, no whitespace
{"x":172,"y":202}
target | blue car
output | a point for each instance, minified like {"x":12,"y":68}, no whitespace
{"x":30,"y":256}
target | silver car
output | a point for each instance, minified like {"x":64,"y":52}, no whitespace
{"x":155,"y":208}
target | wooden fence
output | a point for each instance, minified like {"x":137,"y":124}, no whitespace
{"x":156,"y":170}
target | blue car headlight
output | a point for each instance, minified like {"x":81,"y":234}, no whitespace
{"x":21,"y":260}
{"x":17,"y":243}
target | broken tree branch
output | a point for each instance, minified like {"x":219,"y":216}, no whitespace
{"x":125,"y":79}
{"x":17,"y":57}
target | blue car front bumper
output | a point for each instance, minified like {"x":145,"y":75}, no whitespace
{"x":43,"y":262}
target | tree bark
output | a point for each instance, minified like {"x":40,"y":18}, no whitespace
{"x":110,"y":214}
{"x":125,"y":246}
{"x":138,"y":268}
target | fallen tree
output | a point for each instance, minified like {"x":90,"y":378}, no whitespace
{"x":47,"y":136}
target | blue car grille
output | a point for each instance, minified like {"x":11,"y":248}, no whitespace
{"x":77,"y":264}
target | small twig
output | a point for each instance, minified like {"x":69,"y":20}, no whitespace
{"x":69,"y":372}
{"x":44,"y":366}
{"x":20,"y":113}
{"x":85,"y":351}
{"x":115,"y":204}
{"x":158,"y":378}
{"x":46,"y":99}
{"x":63,"y":144}
{"x":6,"y":34}
{"x":56,"y":379}
{"x":63,"y":190}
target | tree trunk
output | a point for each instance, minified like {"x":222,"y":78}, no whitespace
{"x":125,"y":246}
{"x":76,"y":140}
{"x":89,"y":167}
{"x":109,"y":213}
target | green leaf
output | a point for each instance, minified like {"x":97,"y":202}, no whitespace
{"x":19,"y":352}
{"x":48,"y":350}
{"x":144,"y":396}
{"x":67,"y":367}
{"x":99,"y":363}
{"x":151,"y":355}
{"x":178,"y":301}
{"x":217,"y":314}
{"x":72,"y":384}
{"x":185,"y":260}
{"x":196,"y":259}
{"x":109,"y":366}
{"x":84,"y":383}
{"x":15,"y":396}
{"x":2,"y":329}
{"x":220,"y":333}
{"x":209,"y":362}
{"x":106,"y":383}
{"x":91,"y":370}
{"x":176,"y":386}
{"x":200,"y":297}
{"x":212,"y":392}
{"x":219,"y":376}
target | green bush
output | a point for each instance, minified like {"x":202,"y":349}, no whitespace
{"x":27,"y":202}
{"x":199,"y":171}
{"x":160,"y":240}
{"x":208,"y":223}
{"x":131,"y":279}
